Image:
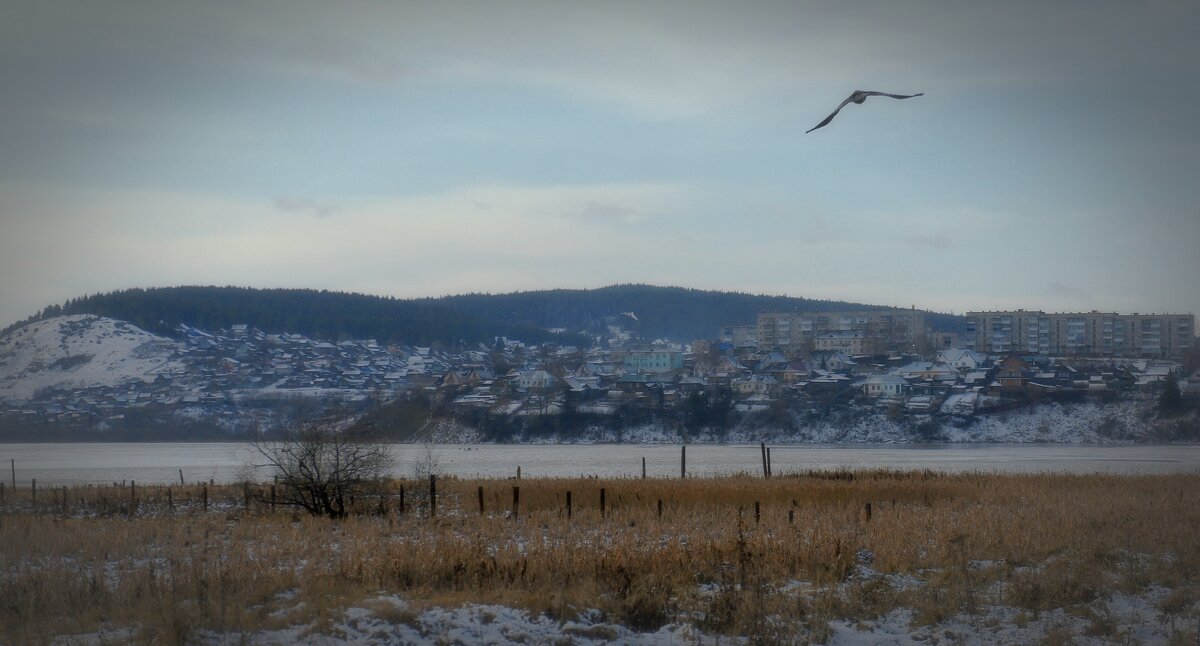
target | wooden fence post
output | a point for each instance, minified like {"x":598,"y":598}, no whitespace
{"x":432,"y":495}
{"x":770,"y":467}
{"x":64,"y":501}
{"x":763,"y":447}
{"x":683,"y":461}
{"x":602,"y":502}
{"x":13,"y":463}
{"x":480,"y":492}
{"x":204,"y":493}
{"x":867,"y":508}
{"x":181,"y":482}
{"x":568,"y":505}
{"x":132,"y":498}
{"x":518,"y":472}
{"x":33,"y":494}
{"x":757,"y":513}
{"x":401,"y":498}
{"x":643,"y":467}
{"x":516,"y":501}
{"x":660,"y":507}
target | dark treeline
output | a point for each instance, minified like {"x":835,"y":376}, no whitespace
{"x":661,"y":312}
{"x":325,"y":315}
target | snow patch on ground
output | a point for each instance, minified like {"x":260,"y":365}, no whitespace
{"x":1119,"y":619}
{"x":389,"y":621}
{"x":80,"y":350}
{"x":1148,"y":616}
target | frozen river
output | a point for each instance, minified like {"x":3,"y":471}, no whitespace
{"x":57,"y":464}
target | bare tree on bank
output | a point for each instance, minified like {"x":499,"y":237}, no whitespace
{"x":321,"y":468}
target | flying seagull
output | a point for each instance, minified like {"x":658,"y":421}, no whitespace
{"x":858,"y":96}
{"x":630,"y":315}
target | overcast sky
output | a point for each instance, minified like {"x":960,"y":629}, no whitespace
{"x":411,"y":149}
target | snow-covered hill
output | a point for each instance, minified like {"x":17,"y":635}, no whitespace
{"x":80,"y":351}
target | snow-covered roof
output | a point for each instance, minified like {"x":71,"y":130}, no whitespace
{"x":887,"y":379}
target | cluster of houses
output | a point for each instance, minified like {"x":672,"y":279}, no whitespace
{"x":239,"y":370}
{"x":230,"y":372}
{"x":962,"y":382}
{"x":952,"y":381}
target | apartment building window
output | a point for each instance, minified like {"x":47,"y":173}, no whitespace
{"x":1076,"y":334}
{"x":1151,"y":337}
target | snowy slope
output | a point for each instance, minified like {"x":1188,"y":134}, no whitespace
{"x":1120,"y":422}
{"x":80,"y":351}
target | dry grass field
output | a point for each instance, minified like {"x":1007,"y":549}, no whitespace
{"x":772,"y":560}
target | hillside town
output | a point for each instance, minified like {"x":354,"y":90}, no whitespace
{"x":888,"y":361}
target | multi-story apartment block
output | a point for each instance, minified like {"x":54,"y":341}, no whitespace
{"x":886,"y":329}
{"x":1081,"y":334}
{"x":740,"y":336}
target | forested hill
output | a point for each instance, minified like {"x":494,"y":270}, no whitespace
{"x":661,"y":312}
{"x":326,"y":315}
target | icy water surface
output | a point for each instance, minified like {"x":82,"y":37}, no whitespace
{"x":57,"y":464}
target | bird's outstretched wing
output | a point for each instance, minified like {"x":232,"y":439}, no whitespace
{"x":894,"y":96}
{"x":858,"y":96}
{"x":831,"y":115}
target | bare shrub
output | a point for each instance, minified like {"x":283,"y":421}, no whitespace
{"x":427,"y":463}
{"x":321,"y":468}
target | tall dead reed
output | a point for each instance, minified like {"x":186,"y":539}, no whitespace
{"x":168,"y":562}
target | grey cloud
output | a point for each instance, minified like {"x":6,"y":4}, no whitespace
{"x":673,"y":58}
{"x":305,"y":206}
{"x":672,"y":55}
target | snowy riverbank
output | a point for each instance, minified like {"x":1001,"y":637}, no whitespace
{"x":1122,"y":422}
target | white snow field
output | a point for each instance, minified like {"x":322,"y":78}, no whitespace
{"x":80,"y":350}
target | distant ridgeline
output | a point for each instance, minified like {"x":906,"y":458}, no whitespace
{"x":661,"y":312}
{"x":325,"y":315}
